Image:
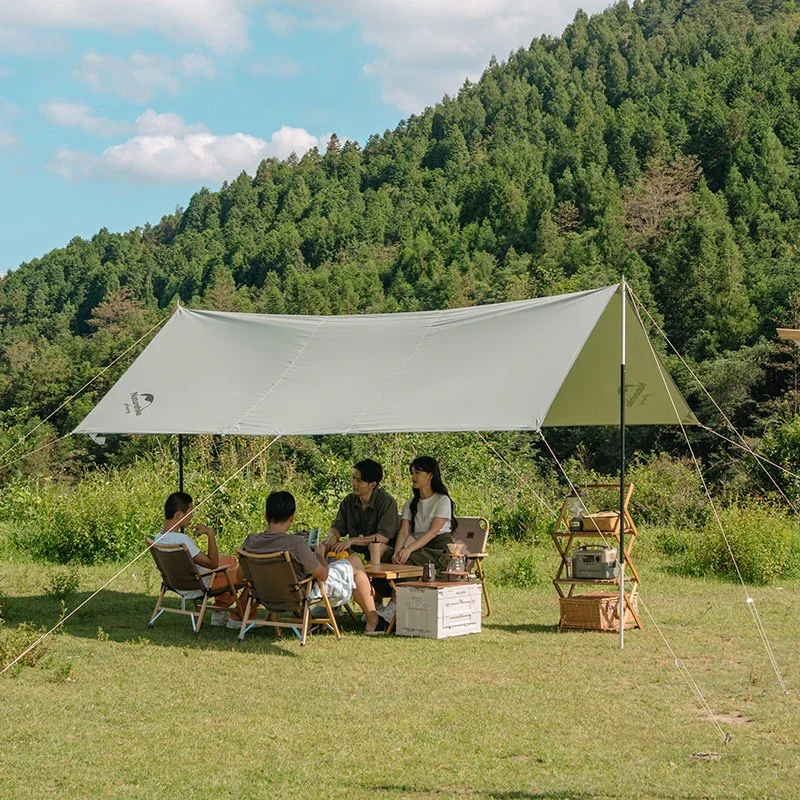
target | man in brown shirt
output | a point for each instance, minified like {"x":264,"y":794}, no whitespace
{"x":342,"y":579}
{"x":368,"y":515}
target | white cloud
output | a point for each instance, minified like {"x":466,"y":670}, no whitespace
{"x":428,"y":47}
{"x":191,"y":158}
{"x":218,"y":24}
{"x":26,"y":43}
{"x":7,"y":139}
{"x":8,"y":109}
{"x":6,"y":72}
{"x":138,"y":77}
{"x":282,"y":24}
{"x":149,"y":123}
{"x":78,"y":115}
{"x":278,"y":66}
{"x":152,"y":124}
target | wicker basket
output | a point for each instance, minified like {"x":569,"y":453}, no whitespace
{"x":602,"y":521}
{"x":595,"y":611}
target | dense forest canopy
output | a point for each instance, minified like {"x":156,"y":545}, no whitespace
{"x":659,"y":140}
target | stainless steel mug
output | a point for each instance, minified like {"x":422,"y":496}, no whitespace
{"x":429,"y":572}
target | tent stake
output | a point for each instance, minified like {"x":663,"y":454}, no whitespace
{"x":621,"y":605}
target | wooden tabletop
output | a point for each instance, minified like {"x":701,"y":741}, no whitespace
{"x":393,"y":571}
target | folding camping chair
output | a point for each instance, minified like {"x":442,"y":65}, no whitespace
{"x":473,"y":532}
{"x":180,"y":574}
{"x":273,"y":584}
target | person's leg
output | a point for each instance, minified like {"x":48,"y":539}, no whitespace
{"x":362,"y":594}
{"x":220,"y":580}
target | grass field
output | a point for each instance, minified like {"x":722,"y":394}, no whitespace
{"x":113,"y":709}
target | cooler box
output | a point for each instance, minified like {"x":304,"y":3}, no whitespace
{"x":437,"y":610}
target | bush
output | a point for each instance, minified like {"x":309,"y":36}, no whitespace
{"x":521,"y":566}
{"x":105,"y":517}
{"x":764,"y":540}
{"x":14,"y":641}
{"x":521,"y":522}
{"x":668,"y":492}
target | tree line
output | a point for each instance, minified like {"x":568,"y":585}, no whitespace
{"x":657,"y":140}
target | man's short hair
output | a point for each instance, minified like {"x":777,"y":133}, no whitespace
{"x":177,"y":502}
{"x":280,"y":506}
{"x":371,"y":471}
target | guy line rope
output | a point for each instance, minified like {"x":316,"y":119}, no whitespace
{"x":749,"y":600}
{"x":134,"y":560}
{"x":680,"y":665}
{"x":73,"y":396}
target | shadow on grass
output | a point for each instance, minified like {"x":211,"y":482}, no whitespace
{"x":123,"y":617}
{"x":532,"y":627}
{"x":401,"y":790}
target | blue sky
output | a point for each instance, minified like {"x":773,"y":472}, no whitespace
{"x":113,"y":112}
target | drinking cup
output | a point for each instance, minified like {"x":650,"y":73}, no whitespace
{"x":375,"y":553}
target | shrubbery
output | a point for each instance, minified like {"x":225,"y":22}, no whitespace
{"x":107,"y":515}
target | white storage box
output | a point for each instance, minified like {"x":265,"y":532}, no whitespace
{"x":437,"y":610}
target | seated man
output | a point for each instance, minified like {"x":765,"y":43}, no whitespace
{"x":178,"y":511}
{"x":342,"y":579}
{"x":366,"y":516}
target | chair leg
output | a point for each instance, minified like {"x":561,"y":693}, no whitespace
{"x":331,"y":615}
{"x":200,"y":615}
{"x":482,"y":579}
{"x":306,"y":617}
{"x":232,"y":589}
{"x":158,"y":610}
{"x":245,"y":615}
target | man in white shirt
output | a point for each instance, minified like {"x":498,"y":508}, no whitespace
{"x":178,"y":511}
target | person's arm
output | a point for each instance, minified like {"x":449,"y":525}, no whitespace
{"x":338,"y":529}
{"x":429,"y":535}
{"x":320,"y":572}
{"x":387,"y":524}
{"x":401,"y":540}
{"x":211,"y":559}
{"x":331,"y":540}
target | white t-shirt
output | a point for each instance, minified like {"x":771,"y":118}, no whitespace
{"x":438,"y":505}
{"x":176,"y":537}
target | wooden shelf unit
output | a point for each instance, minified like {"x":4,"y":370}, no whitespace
{"x":564,"y":539}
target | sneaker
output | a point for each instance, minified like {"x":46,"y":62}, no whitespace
{"x":219,"y":619}
{"x":388,"y":611}
{"x":235,"y":623}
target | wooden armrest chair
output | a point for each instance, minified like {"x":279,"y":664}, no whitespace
{"x":180,"y":574}
{"x":474,"y":532}
{"x":273,"y":584}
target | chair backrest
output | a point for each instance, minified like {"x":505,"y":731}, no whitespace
{"x":473,"y":532}
{"x":178,"y":570}
{"x":273,"y":579}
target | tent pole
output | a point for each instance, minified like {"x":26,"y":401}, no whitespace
{"x":621,"y":605}
{"x":180,"y":462}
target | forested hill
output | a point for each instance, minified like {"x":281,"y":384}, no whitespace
{"x":661,"y":141}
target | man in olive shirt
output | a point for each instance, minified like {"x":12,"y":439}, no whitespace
{"x":367,"y":516}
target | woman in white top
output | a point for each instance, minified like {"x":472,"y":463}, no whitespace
{"x":427,"y":518}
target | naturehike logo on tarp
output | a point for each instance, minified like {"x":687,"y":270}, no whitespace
{"x":634,"y":394}
{"x":139,"y":402}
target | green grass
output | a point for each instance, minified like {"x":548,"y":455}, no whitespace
{"x":113,"y":709}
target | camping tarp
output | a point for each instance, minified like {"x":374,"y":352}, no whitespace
{"x":511,"y":366}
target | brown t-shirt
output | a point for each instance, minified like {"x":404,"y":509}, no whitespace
{"x":380,"y":516}
{"x":303,"y":559}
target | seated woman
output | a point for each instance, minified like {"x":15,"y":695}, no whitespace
{"x":427,"y":518}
